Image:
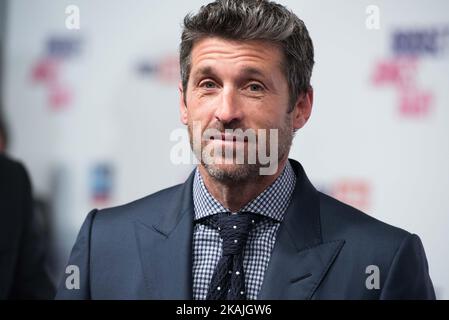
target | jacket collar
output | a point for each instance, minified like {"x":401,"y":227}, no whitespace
{"x":299,"y":261}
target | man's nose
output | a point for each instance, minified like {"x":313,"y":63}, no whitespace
{"x":229,"y":108}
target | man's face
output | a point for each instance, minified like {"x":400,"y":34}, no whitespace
{"x":237,"y":85}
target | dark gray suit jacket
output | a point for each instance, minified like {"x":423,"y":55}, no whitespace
{"x":143,"y":250}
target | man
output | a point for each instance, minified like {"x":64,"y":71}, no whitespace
{"x":22,"y":264}
{"x":232,"y":230}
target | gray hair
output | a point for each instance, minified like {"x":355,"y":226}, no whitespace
{"x":253,"y":20}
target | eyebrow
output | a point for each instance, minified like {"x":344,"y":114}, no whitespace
{"x":203,"y":71}
{"x":245,"y":72}
{"x":250,"y":71}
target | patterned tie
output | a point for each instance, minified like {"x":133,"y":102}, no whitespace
{"x":228,"y":280}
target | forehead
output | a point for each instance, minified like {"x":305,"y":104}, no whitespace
{"x":213,"y":52}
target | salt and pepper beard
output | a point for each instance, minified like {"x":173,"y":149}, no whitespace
{"x":238,"y":173}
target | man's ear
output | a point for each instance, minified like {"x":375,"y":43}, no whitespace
{"x":303,"y":109}
{"x":182,"y":105}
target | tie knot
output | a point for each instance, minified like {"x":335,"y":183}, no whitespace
{"x":233,"y":229}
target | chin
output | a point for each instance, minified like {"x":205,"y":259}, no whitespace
{"x":232,"y":172}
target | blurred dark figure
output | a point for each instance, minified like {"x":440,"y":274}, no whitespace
{"x":22,"y":250}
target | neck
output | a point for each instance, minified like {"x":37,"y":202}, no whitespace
{"x":234,"y":195}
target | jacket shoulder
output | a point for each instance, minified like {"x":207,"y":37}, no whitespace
{"x":150,"y":207}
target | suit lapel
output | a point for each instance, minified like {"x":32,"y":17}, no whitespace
{"x":300,"y":260}
{"x":166,"y":248}
{"x":298,"y":264}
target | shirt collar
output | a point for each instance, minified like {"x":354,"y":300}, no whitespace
{"x":272,"y":202}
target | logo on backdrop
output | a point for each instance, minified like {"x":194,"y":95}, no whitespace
{"x":101,"y":178}
{"x":48,"y":70}
{"x":409,"y":48}
{"x":164,"y":69}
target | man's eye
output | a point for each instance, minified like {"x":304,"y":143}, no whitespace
{"x":208,"y":85}
{"x":255,"y":87}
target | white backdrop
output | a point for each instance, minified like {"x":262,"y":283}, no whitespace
{"x":91,"y":110}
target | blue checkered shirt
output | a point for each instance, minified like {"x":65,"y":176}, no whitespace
{"x":207,"y":244}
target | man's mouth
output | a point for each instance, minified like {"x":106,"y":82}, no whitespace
{"x":225,"y":137}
